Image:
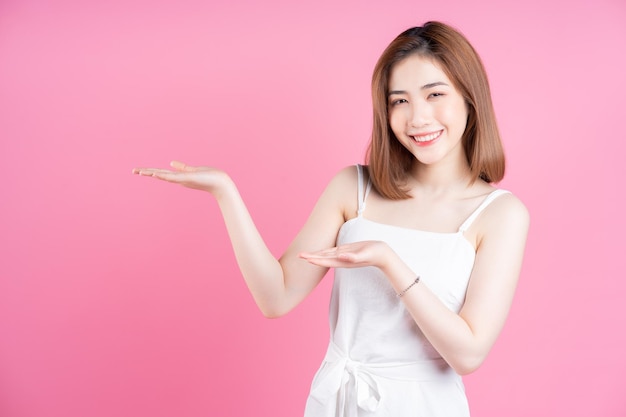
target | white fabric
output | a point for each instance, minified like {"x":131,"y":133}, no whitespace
{"x":378,"y":362}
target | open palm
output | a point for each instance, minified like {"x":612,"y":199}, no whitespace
{"x":199,"y":178}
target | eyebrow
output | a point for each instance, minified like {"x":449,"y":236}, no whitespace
{"x":424,"y":87}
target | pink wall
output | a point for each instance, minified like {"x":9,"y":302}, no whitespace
{"x":119,"y":296}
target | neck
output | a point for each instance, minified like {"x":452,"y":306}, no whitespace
{"x":441,"y":178}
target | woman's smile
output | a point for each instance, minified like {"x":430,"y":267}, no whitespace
{"x":426,"y":139}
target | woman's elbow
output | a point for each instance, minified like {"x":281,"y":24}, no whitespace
{"x":468,"y":364}
{"x":273,"y":311}
{"x":271,"y":314}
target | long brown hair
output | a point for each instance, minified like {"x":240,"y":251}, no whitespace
{"x":389,"y":161}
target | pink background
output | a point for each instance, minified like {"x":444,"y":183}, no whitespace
{"x":119,"y":296}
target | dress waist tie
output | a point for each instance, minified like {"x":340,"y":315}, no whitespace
{"x":348,"y":379}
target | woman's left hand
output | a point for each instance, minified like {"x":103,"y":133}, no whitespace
{"x":352,"y":255}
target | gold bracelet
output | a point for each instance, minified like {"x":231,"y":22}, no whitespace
{"x":400,"y":294}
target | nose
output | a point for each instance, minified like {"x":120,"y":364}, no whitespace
{"x":420,"y":114}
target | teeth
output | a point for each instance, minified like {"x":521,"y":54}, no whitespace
{"x":426,"y":138}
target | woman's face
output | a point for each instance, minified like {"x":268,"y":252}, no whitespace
{"x":426,"y":112}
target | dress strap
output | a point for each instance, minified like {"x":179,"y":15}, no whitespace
{"x":492,"y":196}
{"x":360,"y":196}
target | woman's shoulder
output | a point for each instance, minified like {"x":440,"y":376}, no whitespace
{"x":510,"y":203}
{"x":504,"y":210}
{"x":347,"y":177}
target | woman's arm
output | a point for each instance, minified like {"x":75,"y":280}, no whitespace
{"x":277,"y":285}
{"x":463,"y":339}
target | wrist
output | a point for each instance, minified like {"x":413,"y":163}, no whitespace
{"x":411,"y":285}
{"x":224,"y":187}
{"x":397,"y":272}
{"x":389,"y":259}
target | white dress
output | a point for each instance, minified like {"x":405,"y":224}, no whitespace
{"x":378,"y":361}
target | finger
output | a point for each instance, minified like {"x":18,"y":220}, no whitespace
{"x":143,"y":171}
{"x":332,"y":263}
{"x":308,"y":256}
{"x":325,"y":262}
{"x":170,"y":176}
{"x":318,"y":255}
{"x":348,"y":257}
{"x":164,"y":175}
{"x":330,"y":259}
{"x":181,"y":166}
{"x":150,"y":171}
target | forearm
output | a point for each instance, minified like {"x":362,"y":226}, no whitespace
{"x":265,"y":276}
{"x":448,"y":332}
{"x":261,"y":270}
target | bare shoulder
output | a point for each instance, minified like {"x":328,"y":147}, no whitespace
{"x":508,"y":207}
{"x":347,"y":174}
{"x":506,"y":214}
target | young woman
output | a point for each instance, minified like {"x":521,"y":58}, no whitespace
{"x":427,"y":251}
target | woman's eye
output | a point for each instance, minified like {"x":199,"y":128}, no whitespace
{"x":398,"y":101}
{"x":435,"y":95}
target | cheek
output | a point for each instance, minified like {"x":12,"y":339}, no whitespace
{"x":456,"y":117}
{"x":396,"y":122}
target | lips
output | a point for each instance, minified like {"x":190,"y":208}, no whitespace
{"x":427,"y":138}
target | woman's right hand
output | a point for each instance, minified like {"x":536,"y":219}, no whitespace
{"x":208,"y":179}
